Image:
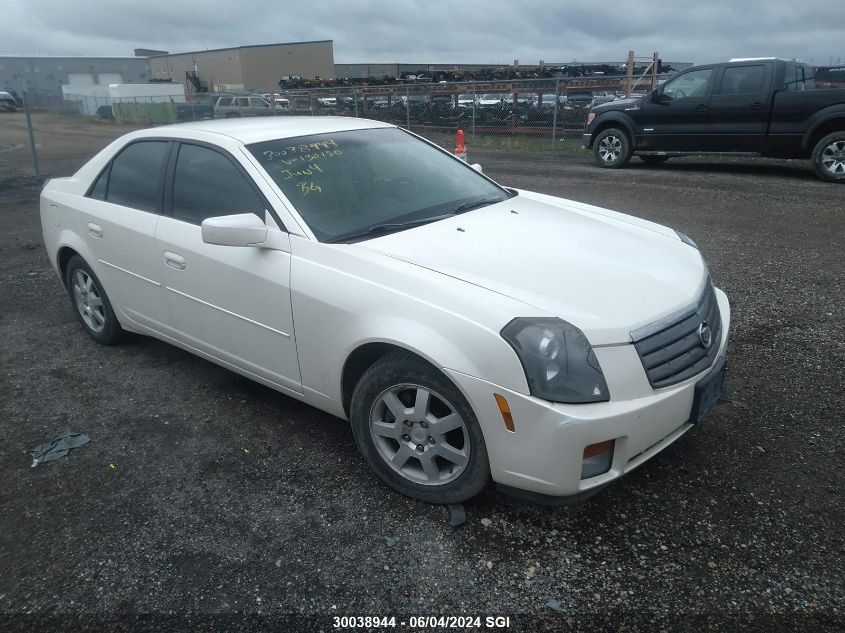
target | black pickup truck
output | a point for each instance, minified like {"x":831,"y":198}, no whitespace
{"x":757,"y":107}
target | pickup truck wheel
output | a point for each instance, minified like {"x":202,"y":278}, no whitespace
{"x":651,"y":159}
{"x":829,"y":157}
{"x":612,"y":148}
{"x":417,"y":431}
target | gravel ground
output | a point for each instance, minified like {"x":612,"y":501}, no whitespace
{"x":204,"y":493}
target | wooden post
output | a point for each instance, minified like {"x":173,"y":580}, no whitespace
{"x":654,"y":59}
{"x":630,"y":74}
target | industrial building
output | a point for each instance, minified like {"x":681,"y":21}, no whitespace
{"x":43,"y":75}
{"x":245,"y":67}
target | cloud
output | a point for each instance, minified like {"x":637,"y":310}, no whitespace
{"x":465,"y":31}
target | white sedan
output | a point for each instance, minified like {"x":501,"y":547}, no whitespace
{"x":468,"y":331}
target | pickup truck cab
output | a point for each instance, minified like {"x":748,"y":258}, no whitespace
{"x":757,"y":107}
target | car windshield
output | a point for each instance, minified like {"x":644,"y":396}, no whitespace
{"x":361,"y":183}
{"x":491,"y":97}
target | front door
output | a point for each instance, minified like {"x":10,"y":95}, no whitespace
{"x":230,"y":302}
{"x":675,"y":118}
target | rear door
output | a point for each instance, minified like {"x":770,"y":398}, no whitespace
{"x":119,"y":220}
{"x":740,"y":108}
{"x":230,"y":302}
{"x":677,"y":118}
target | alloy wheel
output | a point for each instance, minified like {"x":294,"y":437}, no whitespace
{"x":833,"y":158}
{"x":88,"y":301}
{"x":610,"y":149}
{"x":420,"y":434}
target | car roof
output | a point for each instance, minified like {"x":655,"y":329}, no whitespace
{"x":258,"y":129}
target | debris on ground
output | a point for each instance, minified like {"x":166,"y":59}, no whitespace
{"x":555,"y":605}
{"x":59,"y":447}
{"x":457,"y":514}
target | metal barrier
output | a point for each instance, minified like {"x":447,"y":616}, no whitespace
{"x":514,"y":113}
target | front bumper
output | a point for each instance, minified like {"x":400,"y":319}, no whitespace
{"x":587,"y":139}
{"x":544,"y":455}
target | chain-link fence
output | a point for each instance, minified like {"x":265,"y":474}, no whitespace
{"x":524,"y":114}
{"x":529,"y":115}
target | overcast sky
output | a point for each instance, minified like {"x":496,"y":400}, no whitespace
{"x":453,"y":31}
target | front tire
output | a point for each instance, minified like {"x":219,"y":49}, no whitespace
{"x":90,"y":302}
{"x":612,"y":148}
{"x":829,"y":157}
{"x":417,"y":431}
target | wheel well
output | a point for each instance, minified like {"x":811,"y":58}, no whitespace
{"x":828,"y":127}
{"x":65,"y":253}
{"x":604,"y":125}
{"x":359,"y":361}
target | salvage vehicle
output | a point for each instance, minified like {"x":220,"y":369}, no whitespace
{"x":468,"y":331}
{"x":751,"y":107}
{"x":232,"y":107}
{"x":7,"y":102}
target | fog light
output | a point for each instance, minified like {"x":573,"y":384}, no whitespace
{"x":597,"y":459}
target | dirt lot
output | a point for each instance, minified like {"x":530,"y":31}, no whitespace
{"x":204,"y":493}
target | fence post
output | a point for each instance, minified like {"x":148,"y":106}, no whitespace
{"x":408,"y":107}
{"x":474,"y":98}
{"x":31,"y":134}
{"x":554,"y":117}
{"x":355,"y":100}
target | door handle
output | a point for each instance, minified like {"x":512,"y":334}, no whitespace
{"x":174,"y":260}
{"x":756,"y":106}
{"x":95,"y":230}
{"x":702,"y":107}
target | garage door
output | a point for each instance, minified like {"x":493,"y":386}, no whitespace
{"x":110,"y":78}
{"x":80,"y":79}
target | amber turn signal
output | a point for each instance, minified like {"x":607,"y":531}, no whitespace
{"x":505,"y":409}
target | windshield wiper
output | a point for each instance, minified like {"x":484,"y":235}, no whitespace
{"x":469,"y":206}
{"x":388,"y":227}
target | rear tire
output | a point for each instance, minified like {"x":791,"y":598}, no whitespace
{"x":612,"y":148}
{"x":652,"y":159}
{"x":417,"y":432}
{"x":233,"y":115}
{"x":90,"y":303}
{"x":829,"y":157}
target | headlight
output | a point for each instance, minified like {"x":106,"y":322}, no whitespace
{"x":558,"y":360}
{"x":590,"y":117}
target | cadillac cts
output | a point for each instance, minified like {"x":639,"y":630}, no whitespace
{"x":468,"y":331}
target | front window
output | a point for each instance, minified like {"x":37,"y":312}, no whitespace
{"x":363,"y":183}
{"x":691,"y":84}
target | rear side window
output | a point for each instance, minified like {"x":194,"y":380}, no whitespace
{"x":224,"y":101}
{"x":206,"y":184}
{"x":98,"y":191}
{"x":135,"y":176}
{"x":741,"y":80}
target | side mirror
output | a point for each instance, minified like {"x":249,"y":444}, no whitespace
{"x":654,"y":96}
{"x":477,"y":167}
{"x":243,"y":229}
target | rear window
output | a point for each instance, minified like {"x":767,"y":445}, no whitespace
{"x":135,"y":176}
{"x":740,"y":80}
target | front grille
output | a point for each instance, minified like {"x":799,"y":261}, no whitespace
{"x":671,"y":349}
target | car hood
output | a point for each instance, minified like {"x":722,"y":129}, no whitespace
{"x":605,"y":272}
{"x":619,"y":104}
